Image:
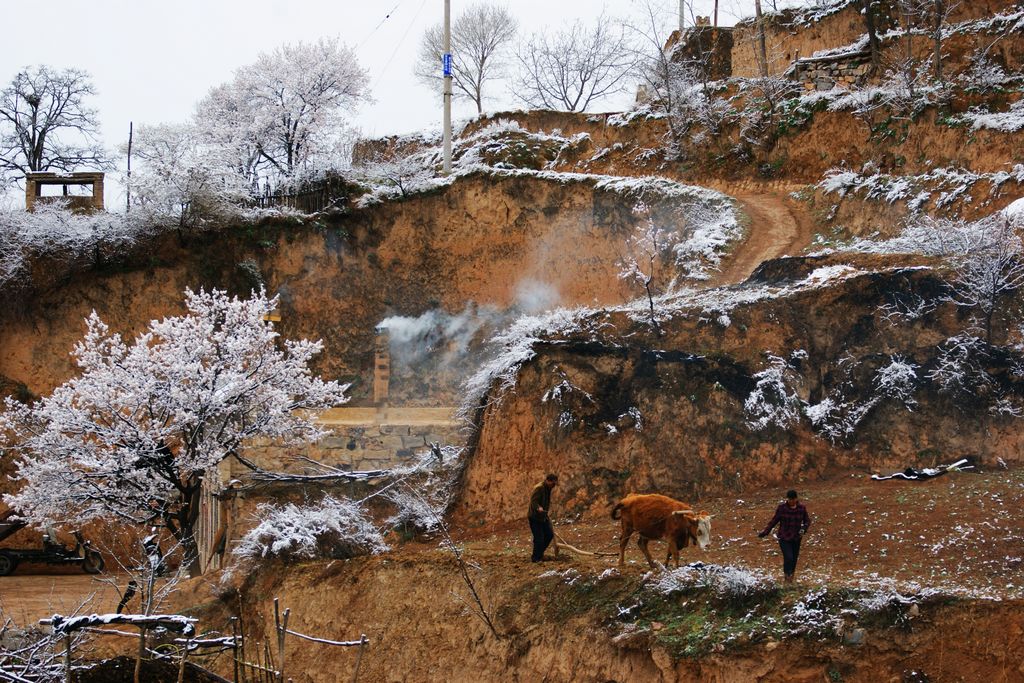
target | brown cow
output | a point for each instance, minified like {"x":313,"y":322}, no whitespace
{"x":654,"y":516}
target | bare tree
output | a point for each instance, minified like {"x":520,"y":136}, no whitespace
{"x":574,"y":67}
{"x":988,"y":266}
{"x":45,"y":123}
{"x":479,"y":38}
{"x":647,"y":251}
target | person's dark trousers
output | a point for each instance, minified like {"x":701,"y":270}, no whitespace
{"x":790,"y":553}
{"x":542,"y":536}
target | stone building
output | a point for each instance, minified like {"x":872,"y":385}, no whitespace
{"x":83,"y":192}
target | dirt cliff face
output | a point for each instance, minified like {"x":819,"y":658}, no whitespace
{"x":615,"y":409}
{"x":555,"y":626}
{"x":479,"y":240}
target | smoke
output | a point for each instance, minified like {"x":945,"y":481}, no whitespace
{"x":533,"y":297}
{"x":432,"y":353}
{"x":436,"y":334}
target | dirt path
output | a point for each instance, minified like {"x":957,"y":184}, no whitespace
{"x":962,"y":534}
{"x":778,"y":226}
{"x":27,"y":598}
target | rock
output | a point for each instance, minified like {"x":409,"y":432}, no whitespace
{"x":855,"y":637}
{"x":771,"y":645}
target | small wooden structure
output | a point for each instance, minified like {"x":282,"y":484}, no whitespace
{"x":82,"y":191}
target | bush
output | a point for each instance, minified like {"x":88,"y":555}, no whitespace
{"x":330,"y":529}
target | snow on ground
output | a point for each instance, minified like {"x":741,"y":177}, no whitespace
{"x":941,"y":186}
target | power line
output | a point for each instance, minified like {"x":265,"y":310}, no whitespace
{"x":401,"y":41}
{"x":381,"y":23}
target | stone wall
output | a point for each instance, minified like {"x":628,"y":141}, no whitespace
{"x":786,"y":40}
{"x":364,"y":439}
{"x":824,"y":73}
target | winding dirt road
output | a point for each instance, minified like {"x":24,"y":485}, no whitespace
{"x":778,"y":226}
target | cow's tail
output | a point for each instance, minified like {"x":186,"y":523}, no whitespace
{"x":617,"y":511}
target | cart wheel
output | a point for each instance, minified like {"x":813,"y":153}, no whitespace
{"x":8,"y":563}
{"x":93,"y":562}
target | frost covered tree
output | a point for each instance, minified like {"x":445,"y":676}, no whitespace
{"x":53,"y":229}
{"x":134,"y":435}
{"x":574,"y":67}
{"x":644,"y":262}
{"x":224,"y":122}
{"x":988,"y":265}
{"x":404,"y":173}
{"x":296,"y":98}
{"x":480,"y":36}
{"x":46,"y":124}
{"x":180,"y":177}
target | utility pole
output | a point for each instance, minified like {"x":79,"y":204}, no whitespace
{"x":682,"y":15}
{"x":761,"y":51}
{"x":446,"y":60}
{"x":128,"y":193}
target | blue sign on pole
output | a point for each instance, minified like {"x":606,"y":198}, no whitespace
{"x":446,"y":60}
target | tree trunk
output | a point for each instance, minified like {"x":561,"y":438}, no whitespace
{"x":186,"y":519}
{"x":940,"y":11}
{"x":762,"y":49}
{"x":868,"y":10}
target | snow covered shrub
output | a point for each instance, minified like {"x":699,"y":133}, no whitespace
{"x":763,"y":98}
{"x":331,"y":528}
{"x":425,"y":489}
{"x":397,"y":175}
{"x":984,"y":75}
{"x":55,"y":231}
{"x":884,"y":598}
{"x":771,"y":403}
{"x":960,"y":365}
{"x":897,"y":381}
{"x":816,"y":614}
{"x":835,"y":417}
{"x":726,"y":583}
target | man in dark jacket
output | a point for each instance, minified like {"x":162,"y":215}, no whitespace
{"x":538,"y":516}
{"x":793,"y":521}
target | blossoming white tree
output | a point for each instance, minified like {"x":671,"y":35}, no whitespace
{"x":181,"y":177}
{"x":134,"y":435}
{"x":297,"y":95}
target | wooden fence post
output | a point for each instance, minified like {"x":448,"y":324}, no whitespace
{"x":359,"y":657}
{"x":67,"y":658}
{"x":281,"y":624}
{"x":181,"y":664}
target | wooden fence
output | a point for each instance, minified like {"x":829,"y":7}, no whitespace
{"x":310,"y":198}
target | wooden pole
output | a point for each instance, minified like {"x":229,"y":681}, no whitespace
{"x":761,"y":48}
{"x":128,"y":190}
{"x":281,"y":625}
{"x":181,"y":664}
{"x":139,"y":655}
{"x":363,"y":640}
{"x":241,"y":639}
{"x":67,"y":658}
{"x":234,"y":635}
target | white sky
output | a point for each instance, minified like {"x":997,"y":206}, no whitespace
{"x":152,"y":60}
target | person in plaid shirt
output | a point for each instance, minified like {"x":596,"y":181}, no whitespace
{"x":793,"y":521}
